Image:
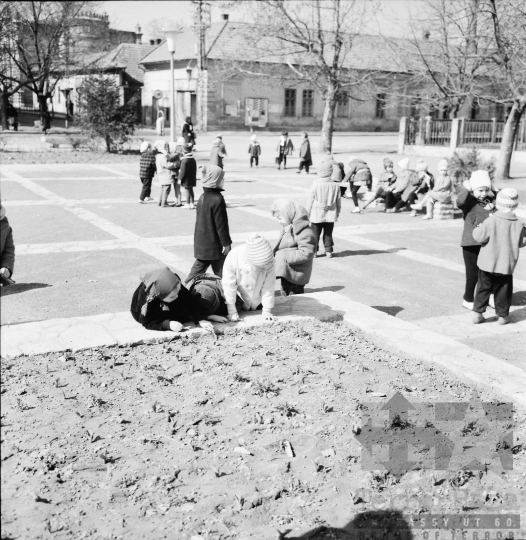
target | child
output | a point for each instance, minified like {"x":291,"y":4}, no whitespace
{"x":7,"y":249}
{"x":295,"y":249}
{"x":164,"y":167}
{"x":249,"y":274}
{"x":324,"y":206}
{"x":207,"y":292}
{"x":175,"y":157}
{"x":218,"y":152}
{"x":284,"y":149}
{"x":358,"y":175}
{"x":161,"y":302}
{"x":254,"y":150}
{"x":147,"y":171}
{"x":394,"y":191}
{"x":426,"y":183}
{"x":502,"y":234}
{"x":440,"y":193}
{"x":212,"y":240}
{"x":387,"y":178}
{"x":188,"y":175}
{"x":475,"y":201}
{"x":305,"y":155}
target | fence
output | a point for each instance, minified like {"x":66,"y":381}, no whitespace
{"x":486,"y":133}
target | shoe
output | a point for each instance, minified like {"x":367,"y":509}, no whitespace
{"x":192,"y":207}
{"x":427,"y":217}
{"x":417,"y":207}
{"x":492,"y":301}
{"x":149,"y":198}
{"x":467,"y":305}
{"x":178,"y":205}
{"x":356,"y":210}
{"x":328,"y":255}
{"x":298,"y":172}
{"x":141,"y":201}
{"x":478,"y":318}
{"x":390,"y":210}
{"x":413,"y":213}
{"x":320,"y":255}
{"x":504,"y":320}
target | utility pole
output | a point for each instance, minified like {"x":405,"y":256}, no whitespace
{"x":201,"y":24}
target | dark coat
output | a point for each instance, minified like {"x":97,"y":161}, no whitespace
{"x":188,"y":133}
{"x":183,"y":309}
{"x":147,"y":165}
{"x":211,"y":226}
{"x":474,"y":213}
{"x":7,"y":246}
{"x":188,"y":172}
{"x":305,"y":155}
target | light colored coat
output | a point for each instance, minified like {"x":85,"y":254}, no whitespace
{"x":164,"y":168}
{"x":254,"y":285}
{"x":501,"y":235}
{"x":325,"y":201}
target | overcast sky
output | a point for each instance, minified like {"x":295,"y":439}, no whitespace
{"x":125,"y":15}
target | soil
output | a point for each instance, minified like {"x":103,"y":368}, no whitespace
{"x":248,"y":435}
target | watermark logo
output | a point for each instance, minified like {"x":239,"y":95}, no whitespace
{"x":469,"y":436}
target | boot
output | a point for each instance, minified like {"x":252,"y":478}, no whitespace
{"x":164,"y":196}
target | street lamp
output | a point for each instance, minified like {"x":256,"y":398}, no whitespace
{"x":170,"y":36}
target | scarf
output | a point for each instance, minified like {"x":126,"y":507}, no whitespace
{"x":158,"y":284}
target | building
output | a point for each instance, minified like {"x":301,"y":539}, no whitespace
{"x":237,"y":101}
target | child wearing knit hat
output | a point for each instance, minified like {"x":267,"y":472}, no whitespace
{"x":441,"y":192}
{"x":324,"y":206}
{"x":387,"y":178}
{"x":254,"y":150}
{"x":147,"y":171}
{"x":501,"y":235}
{"x":475,"y":200}
{"x":249,"y":278}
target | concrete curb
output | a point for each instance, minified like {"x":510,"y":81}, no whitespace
{"x":388,"y":332}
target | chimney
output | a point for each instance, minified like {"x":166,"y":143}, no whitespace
{"x":158,"y":41}
{"x":138,"y":35}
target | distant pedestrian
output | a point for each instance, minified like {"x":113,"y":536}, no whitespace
{"x":7,"y":249}
{"x":218,"y":152}
{"x":174,"y":156}
{"x":296,"y":247}
{"x":159,"y":124}
{"x":305,"y":155}
{"x":146,"y":171}
{"x":475,"y":199}
{"x":440,"y":193}
{"x":501,"y":235}
{"x":249,"y":278}
{"x":187,"y":131}
{"x":358,"y":175}
{"x":387,"y":178}
{"x":254,"y":150}
{"x":164,"y":167}
{"x":212,"y":241}
{"x":324,"y":206}
{"x":284,"y":149}
{"x":188,"y":175}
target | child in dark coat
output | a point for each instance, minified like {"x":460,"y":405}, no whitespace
{"x":501,"y":235}
{"x":387,"y":178}
{"x":147,"y":171}
{"x":188,"y":175}
{"x":476,"y":202}
{"x":254,"y":150}
{"x":212,"y":240}
{"x":305,"y":155}
{"x":207,"y":291}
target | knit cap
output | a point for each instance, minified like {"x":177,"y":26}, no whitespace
{"x":388,"y":162}
{"x":479,"y":179}
{"x":253,"y":138}
{"x":213,"y":177}
{"x":442,"y":165}
{"x":325,"y":169}
{"x":507,"y":200}
{"x":158,"y":284}
{"x":206,"y":291}
{"x":404,"y":163}
{"x":172,"y":146}
{"x":258,"y":250}
{"x":160,"y":146}
{"x":421,"y":166}
{"x":180,"y":141}
{"x":144,"y":146}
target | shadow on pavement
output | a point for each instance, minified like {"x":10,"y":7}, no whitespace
{"x":333,"y":288}
{"x":356,"y":252}
{"x":377,"y":524}
{"x":390,"y":310}
{"x":519,"y":299}
{"x":21,"y":287}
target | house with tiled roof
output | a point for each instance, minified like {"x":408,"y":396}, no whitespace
{"x":236,"y":100}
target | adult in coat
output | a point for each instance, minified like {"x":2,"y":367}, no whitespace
{"x":284,"y":149}
{"x":7,"y":248}
{"x":212,"y":240}
{"x":305,"y":155}
{"x":187,"y":131}
{"x":218,"y":152}
{"x":296,"y":247}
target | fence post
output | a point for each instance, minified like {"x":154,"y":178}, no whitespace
{"x":427,"y":135}
{"x":402,"y":133}
{"x":493,"y":130}
{"x":461,"y":130}
{"x":420,"y":138}
{"x":454,"y":133}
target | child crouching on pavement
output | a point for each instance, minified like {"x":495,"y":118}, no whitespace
{"x":387,"y":178}
{"x":324,"y":206}
{"x":501,"y":235}
{"x":249,"y":278}
{"x":440,"y":193}
{"x":147,"y":171}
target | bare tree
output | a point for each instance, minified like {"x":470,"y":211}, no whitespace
{"x":155,"y":28}
{"x":309,"y":41}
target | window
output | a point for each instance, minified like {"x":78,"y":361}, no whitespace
{"x":27,"y":97}
{"x":307,"y":103}
{"x":342,"y":107}
{"x":290,"y":102}
{"x":380,"y":106}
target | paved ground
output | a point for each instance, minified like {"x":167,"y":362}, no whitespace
{"x":82,"y":241}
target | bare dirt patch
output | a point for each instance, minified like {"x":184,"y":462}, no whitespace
{"x":247,"y":436}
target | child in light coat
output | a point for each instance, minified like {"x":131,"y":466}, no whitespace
{"x":324,"y":206}
{"x":164,"y":171}
{"x":501,"y":235}
{"x":440,"y":193}
{"x":249,"y":278}
{"x":254,"y":150}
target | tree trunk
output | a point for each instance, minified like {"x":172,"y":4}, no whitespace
{"x":327,"y":125}
{"x":4,"y":106}
{"x":508,"y":140}
{"x":45,"y":119}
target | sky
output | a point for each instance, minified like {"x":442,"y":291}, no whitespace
{"x":125,"y":15}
